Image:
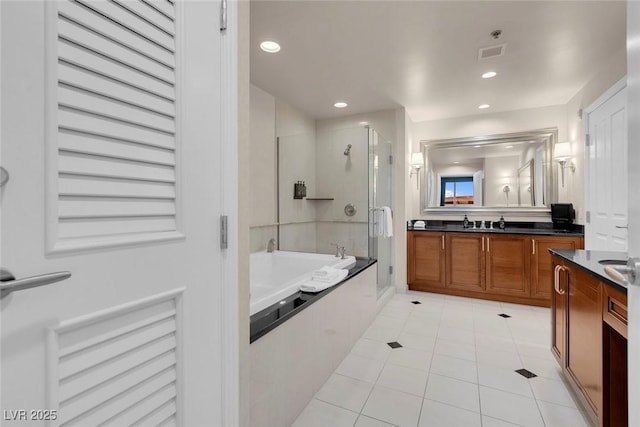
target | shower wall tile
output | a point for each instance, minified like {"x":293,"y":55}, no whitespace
{"x":298,"y":237}
{"x":297,"y":163}
{"x":351,"y":235}
{"x":345,"y":178}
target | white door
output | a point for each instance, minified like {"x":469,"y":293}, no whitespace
{"x":633,"y":293}
{"x":111,"y":135}
{"x":606,"y":172}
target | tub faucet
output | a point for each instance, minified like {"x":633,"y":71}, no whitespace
{"x":341,"y":251}
{"x":271,"y":245}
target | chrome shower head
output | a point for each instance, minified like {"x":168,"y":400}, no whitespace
{"x":348,"y":150}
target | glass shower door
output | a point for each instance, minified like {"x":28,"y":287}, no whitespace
{"x":380,"y":197}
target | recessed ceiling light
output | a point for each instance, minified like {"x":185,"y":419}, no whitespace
{"x":476,"y":146}
{"x":509,"y":146}
{"x":489,"y":74}
{"x":270,"y":46}
{"x":483,"y":106}
{"x":455,"y":163}
{"x":340,"y":104}
{"x":362,"y":123}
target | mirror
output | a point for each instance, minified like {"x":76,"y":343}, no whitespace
{"x":505,"y":173}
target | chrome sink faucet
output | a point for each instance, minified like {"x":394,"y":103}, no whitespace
{"x":271,"y":245}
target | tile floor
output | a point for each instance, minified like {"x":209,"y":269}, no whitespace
{"x":455,"y":368}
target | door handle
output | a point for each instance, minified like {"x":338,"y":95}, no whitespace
{"x":622,"y":226}
{"x":556,"y":279}
{"x":8,"y":282}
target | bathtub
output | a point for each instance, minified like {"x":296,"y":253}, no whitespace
{"x":276,"y":275}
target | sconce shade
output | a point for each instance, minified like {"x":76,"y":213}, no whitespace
{"x":416,"y":160}
{"x":562,"y":151}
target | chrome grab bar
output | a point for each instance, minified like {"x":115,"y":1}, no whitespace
{"x":556,"y":279}
{"x":8,"y":282}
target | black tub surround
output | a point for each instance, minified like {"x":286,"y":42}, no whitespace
{"x":511,"y":227}
{"x":269,"y":318}
{"x":590,"y":262}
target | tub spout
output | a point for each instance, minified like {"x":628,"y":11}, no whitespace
{"x":271,"y":245}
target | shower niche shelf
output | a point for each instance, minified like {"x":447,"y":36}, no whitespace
{"x":320,"y":198}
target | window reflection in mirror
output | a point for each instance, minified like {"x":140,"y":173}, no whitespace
{"x":499,"y":171}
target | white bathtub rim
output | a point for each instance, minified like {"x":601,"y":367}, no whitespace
{"x":292,"y":286}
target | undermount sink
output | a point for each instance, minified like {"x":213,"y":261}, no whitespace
{"x":613,"y":262}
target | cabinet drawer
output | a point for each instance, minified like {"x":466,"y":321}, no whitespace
{"x":614,"y":310}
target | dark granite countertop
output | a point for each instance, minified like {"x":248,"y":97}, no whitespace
{"x":543,"y":229}
{"x":269,"y":318}
{"x":589,"y":261}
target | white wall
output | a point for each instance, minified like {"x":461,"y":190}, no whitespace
{"x":610,"y":73}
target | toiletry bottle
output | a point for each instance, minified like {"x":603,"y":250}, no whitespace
{"x":501,"y":222}
{"x":465,"y":222}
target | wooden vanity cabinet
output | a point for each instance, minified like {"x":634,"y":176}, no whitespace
{"x":426,"y":260}
{"x":541,"y":272}
{"x":465,"y":262}
{"x":584,"y":337}
{"x":508,"y":264}
{"x":615,"y":402}
{"x":512,"y":268}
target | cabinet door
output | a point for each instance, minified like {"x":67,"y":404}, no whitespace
{"x":559,"y":312}
{"x":508,"y":265}
{"x":465,"y":261}
{"x":584,"y":337}
{"x":425,"y":260}
{"x":541,"y":272}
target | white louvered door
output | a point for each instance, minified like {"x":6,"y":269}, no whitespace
{"x":111,"y":132}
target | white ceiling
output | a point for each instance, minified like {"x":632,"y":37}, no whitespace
{"x":423,"y":55}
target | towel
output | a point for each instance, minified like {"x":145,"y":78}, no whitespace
{"x":315,"y":285}
{"x":326,"y":279}
{"x":387,"y":222}
{"x":324,"y":271}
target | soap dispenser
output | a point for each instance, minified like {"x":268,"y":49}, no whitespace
{"x":501,"y":222}
{"x":465,"y":222}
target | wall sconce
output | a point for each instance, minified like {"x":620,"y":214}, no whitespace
{"x":562,"y":155}
{"x":416,"y":163}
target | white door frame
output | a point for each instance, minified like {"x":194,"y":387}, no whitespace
{"x":229,"y":328}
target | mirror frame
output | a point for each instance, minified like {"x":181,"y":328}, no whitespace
{"x":548,"y":136}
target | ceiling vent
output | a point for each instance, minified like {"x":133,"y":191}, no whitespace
{"x":491,"y":51}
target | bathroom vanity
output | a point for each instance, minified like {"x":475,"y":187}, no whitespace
{"x":589,"y":332}
{"x":511,"y":265}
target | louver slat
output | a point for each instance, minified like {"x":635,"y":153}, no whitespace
{"x":119,"y":367}
{"x":116,"y":120}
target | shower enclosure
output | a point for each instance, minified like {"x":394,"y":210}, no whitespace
{"x":345,"y":176}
